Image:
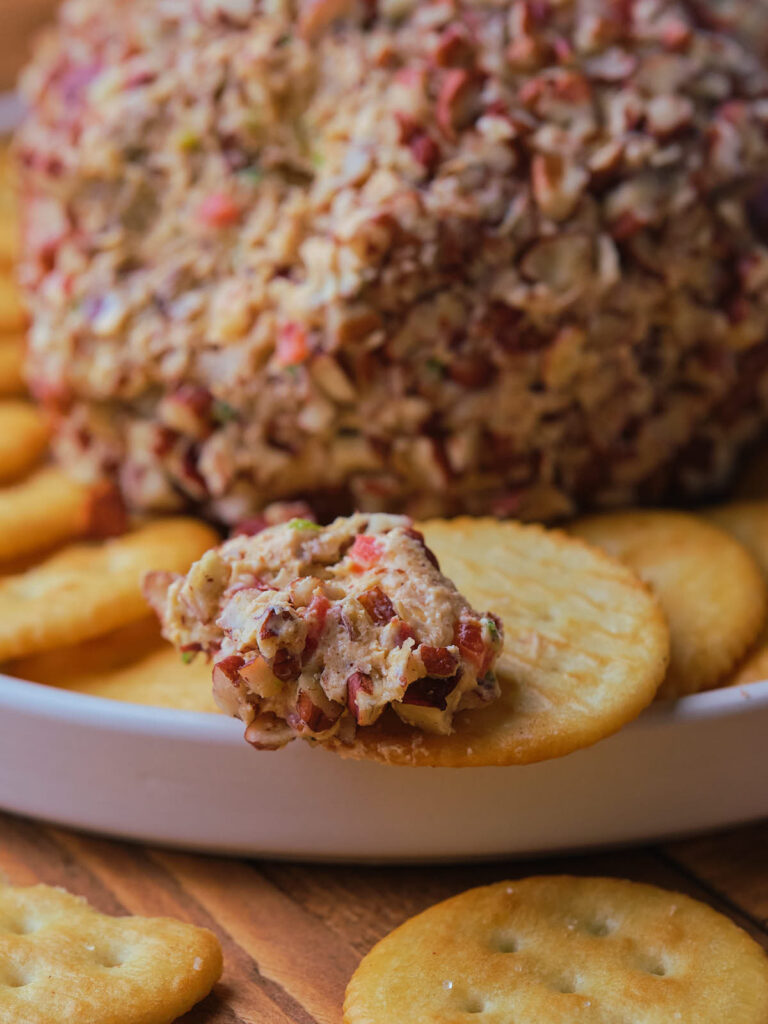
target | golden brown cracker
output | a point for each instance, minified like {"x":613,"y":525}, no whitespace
{"x":47,"y":509}
{"x":87,"y":590}
{"x":9,"y":217}
{"x":754,"y":668}
{"x":24,"y":435}
{"x":12,"y":350}
{"x":558,"y":950}
{"x":13,"y":316}
{"x":586,"y":647}
{"x":709,"y":586}
{"x":747,"y":521}
{"x":9,"y":240}
{"x":62,"y":962}
{"x":132,"y":664}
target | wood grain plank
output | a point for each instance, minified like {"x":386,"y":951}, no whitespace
{"x":362,"y":904}
{"x":734,"y":865}
{"x":293,"y":934}
{"x":52,"y":864}
{"x":145,"y":887}
{"x":294,"y":949}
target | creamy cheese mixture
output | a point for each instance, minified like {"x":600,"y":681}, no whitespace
{"x":314,"y":631}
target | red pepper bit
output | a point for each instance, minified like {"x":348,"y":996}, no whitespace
{"x":402,"y":632}
{"x":218,"y":210}
{"x":314,"y":616}
{"x":365,"y":552}
{"x":468,"y":637}
{"x":292,"y":345}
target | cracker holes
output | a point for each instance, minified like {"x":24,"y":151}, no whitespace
{"x":564,"y":985}
{"x":599,"y":928}
{"x":23,"y":926}
{"x":14,"y":977}
{"x":110,"y":957}
{"x":506,"y":943}
{"x":653,"y":965}
{"x":474,"y":1004}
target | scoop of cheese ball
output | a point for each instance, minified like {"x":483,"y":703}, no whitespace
{"x":314,"y":631}
{"x":500,"y":256}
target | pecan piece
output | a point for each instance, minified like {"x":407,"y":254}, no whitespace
{"x":313,"y":716}
{"x":226,"y":673}
{"x":275,"y":622}
{"x":431,"y":693}
{"x":357,"y":681}
{"x":457,"y":101}
{"x":285,"y":666}
{"x":187,"y":410}
{"x":429,"y":554}
{"x":378,"y":606}
{"x":454,"y":48}
{"x":267,"y":732}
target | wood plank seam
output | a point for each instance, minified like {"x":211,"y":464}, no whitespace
{"x":715,"y":894}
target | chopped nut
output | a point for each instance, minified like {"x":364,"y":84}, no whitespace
{"x":557,"y":186}
{"x":668,"y":114}
{"x":457,"y":101}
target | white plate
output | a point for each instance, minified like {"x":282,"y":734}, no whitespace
{"x":187,"y":779}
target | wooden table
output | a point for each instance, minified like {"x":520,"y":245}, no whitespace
{"x":293,"y":933}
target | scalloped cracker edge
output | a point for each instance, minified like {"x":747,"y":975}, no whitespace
{"x":586,"y":647}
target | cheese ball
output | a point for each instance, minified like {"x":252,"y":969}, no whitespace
{"x":485,"y":256}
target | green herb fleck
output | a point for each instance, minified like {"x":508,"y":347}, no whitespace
{"x":493,"y":629}
{"x":436,"y":366}
{"x":317,"y":158}
{"x":253,"y":175}
{"x":188,"y":657}
{"x":303,"y":524}
{"x":223,"y":412}
{"x":283,"y":40}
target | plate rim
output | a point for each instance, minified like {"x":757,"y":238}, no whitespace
{"x":108,"y":714}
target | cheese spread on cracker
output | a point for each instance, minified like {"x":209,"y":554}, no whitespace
{"x":314,"y":631}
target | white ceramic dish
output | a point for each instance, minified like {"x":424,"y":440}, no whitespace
{"x":188,"y":779}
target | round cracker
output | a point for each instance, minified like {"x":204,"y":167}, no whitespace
{"x":24,"y":434}
{"x":747,"y":521}
{"x":87,"y":590}
{"x":13,"y":317}
{"x":559,"y":949}
{"x":62,"y":961}
{"x":586,"y":646}
{"x":132,"y":664}
{"x":711,"y":590}
{"x":12,"y":354}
